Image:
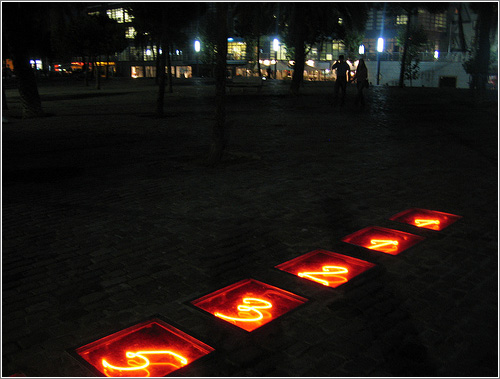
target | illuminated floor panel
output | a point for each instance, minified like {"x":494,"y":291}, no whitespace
{"x":249,"y":304}
{"x":424,"y":218}
{"x":386,"y":241}
{"x":325,"y":267}
{"x":149,"y":349}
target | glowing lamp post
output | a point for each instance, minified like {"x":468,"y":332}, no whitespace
{"x":361,"y":49}
{"x":380,"y":48}
{"x":276,"y":47}
{"x":197,"y":48}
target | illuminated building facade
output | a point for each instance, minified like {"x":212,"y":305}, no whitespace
{"x":443,"y":55}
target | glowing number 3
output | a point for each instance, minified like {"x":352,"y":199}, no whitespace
{"x":249,"y":307}
{"x":139,"y":354}
{"x":327,"y":270}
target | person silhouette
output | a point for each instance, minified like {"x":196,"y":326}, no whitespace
{"x":343,"y":74}
{"x":361,"y":78}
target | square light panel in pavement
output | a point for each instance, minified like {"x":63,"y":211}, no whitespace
{"x":325,"y":267}
{"x":149,"y":349}
{"x":425,"y":218}
{"x":388,"y":241}
{"x":249,"y":304}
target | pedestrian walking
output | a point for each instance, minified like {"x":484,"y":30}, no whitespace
{"x":343,"y":76}
{"x":361,"y":78}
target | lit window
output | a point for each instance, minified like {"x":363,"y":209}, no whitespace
{"x":402,"y":19}
{"x":130,"y":32}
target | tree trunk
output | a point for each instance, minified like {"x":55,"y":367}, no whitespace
{"x":405,"y":52}
{"x":97,"y":75}
{"x":463,"y":45}
{"x":86,"y":71}
{"x":169,"y":70}
{"x":258,"y":56}
{"x":161,"y":83}
{"x":157,"y":76}
{"x":299,"y":46}
{"x":483,"y":54}
{"x":28,"y":90}
{"x":4,"y":100}
{"x":219,"y":137}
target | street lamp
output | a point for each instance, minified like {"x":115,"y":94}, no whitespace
{"x":361,"y":49}
{"x":276,"y":47}
{"x":380,"y":48}
{"x":197,"y":48}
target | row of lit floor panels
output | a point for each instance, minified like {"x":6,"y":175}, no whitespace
{"x":156,"y":348}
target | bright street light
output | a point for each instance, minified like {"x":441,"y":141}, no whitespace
{"x":361,"y":50}
{"x":380,"y":45}
{"x":197,"y":46}
{"x":276,"y":44}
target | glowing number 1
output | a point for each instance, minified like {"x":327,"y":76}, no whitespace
{"x":248,"y":308}
{"x":327,"y":270}
{"x":421,"y":222}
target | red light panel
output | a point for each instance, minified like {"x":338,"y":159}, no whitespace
{"x":424,"y":218}
{"x":325,"y":267}
{"x":153,"y":348}
{"x":249,"y":304}
{"x":387,"y":241}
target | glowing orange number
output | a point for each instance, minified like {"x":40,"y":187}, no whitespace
{"x":327,"y":271}
{"x":146,"y":363}
{"x":422,"y":222}
{"x":250,"y":304}
{"x":386,"y":244}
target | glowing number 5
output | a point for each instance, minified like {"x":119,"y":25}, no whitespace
{"x":140,"y":354}
{"x":248,"y":306}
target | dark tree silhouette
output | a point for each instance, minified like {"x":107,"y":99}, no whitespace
{"x":163,"y":23}
{"x":254,"y":20}
{"x":19,"y":22}
{"x":219,"y":137}
{"x":487,"y":13}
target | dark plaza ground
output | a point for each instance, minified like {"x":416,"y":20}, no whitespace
{"x":109,"y":217}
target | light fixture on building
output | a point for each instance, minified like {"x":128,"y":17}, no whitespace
{"x":276,"y":44}
{"x":380,"y":45}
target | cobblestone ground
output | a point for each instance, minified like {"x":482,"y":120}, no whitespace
{"x":110,"y":217}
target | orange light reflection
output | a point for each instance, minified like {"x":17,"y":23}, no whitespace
{"x":334,"y":271}
{"x":242,"y":308}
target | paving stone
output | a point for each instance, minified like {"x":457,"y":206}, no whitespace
{"x":140,"y":227}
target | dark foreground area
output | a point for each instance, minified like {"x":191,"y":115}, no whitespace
{"x":110,"y":217}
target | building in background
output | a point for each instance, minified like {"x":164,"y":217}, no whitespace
{"x":450,"y":33}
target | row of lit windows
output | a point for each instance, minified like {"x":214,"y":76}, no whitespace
{"x":120,"y":15}
{"x":433,"y":22}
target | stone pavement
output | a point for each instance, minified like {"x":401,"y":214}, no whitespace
{"x":109,"y":217}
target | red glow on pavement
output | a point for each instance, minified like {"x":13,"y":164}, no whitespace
{"x":424,"y":218}
{"x":387,"y":241}
{"x":249,"y":304}
{"x":150,"y":349}
{"x":325,"y":267}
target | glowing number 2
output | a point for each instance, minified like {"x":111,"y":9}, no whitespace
{"x":383,"y":243}
{"x":146,"y":363}
{"x":422,"y":222}
{"x":327,"y":271}
{"x":248,"y":306}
